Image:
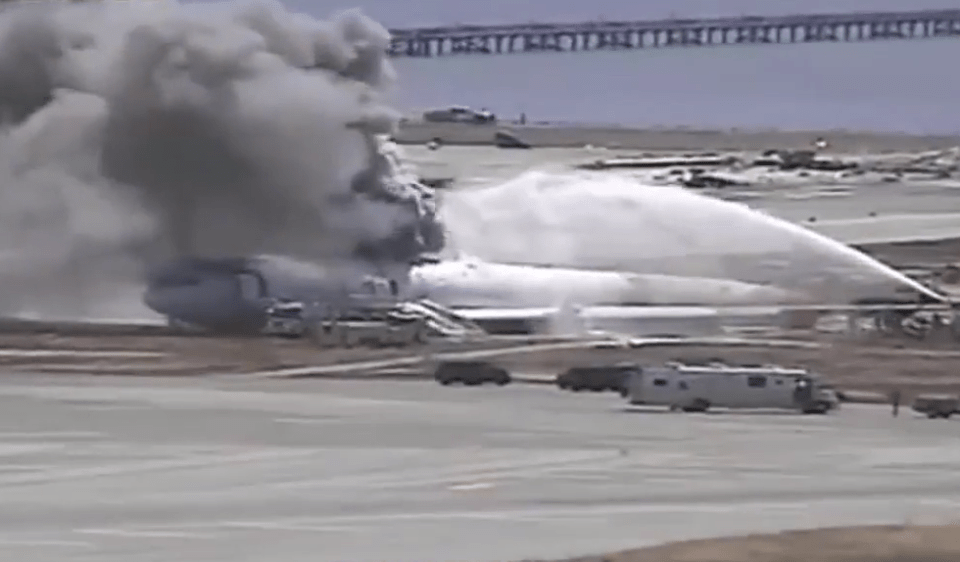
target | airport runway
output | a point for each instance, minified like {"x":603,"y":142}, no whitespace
{"x":115,"y":469}
{"x":854,"y":210}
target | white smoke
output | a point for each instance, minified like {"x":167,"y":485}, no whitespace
{"x":137,"y":131}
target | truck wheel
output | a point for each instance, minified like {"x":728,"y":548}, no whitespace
{"x":818,"y":408}
{"x":698,"y":405}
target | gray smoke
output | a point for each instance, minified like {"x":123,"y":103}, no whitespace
{"x":136,"y":132}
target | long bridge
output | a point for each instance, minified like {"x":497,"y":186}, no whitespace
{"x":618,"y":35}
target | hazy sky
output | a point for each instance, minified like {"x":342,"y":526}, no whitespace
{"x":404,"y":13}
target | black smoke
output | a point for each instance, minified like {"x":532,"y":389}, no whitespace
{"x":137,"y":132}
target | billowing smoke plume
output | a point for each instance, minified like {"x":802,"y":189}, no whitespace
{"x":138,"y":131}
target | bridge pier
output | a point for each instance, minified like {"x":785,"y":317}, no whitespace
{"x":596,"y":36}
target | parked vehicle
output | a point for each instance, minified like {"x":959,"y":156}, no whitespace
{"x":459,"y":114}
{"x":471,"y":373}
{"x":699,"y":388}
{"x":936,"y":405}
{"x":597,"y":378}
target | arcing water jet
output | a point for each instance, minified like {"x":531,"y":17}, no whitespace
{"x":597,"y":220}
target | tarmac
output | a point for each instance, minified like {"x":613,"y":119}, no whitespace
{"x":251,"y":468}
{"x":574,"y":135}
{"x":136,"y":469}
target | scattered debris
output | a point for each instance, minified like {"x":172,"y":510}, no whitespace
{"x":700,"y":179}
{"x":660,"y":162}
{"x":437,"y":183}
{"x":505,"y":139}
{"x":710,"y":170}
{"x":802,"y":159}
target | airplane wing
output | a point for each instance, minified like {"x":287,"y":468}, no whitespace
{"x":586,"y":313}
{"x":688,"y":320}
{"x":646,"y":319}
{"x":505,"y":314}
{"x":678,"y":312}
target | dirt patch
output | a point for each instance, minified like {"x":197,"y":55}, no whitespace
{"x":850,"y":544}
{"x":192,"y":355}
{"x":912,"y":367}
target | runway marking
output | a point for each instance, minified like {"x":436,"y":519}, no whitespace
{"x":41,"y":543}
{"x":34,"y":353}
{"x":50,"y":434}
{"x":468,"y":487}
{"x":283,"y":526}
{"x":584,"y":477}
{"x":497,"y":468}
{"x":13,"y":449}
{"x":306,"y":421}
{"x":591,"y":512}
{"x":202,"y":461}
{"x":7,"y":467}
{"x":110,"y":407}
{"x":145,"y":534}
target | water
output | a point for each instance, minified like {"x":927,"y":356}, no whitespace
{"x":889,"y":86}
{"x":580,"y":219}
{"x":817,"y":86}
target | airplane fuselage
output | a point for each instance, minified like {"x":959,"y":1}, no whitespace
{"x":236,"y":293}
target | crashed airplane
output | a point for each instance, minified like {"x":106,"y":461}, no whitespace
{"x":239,"y":294}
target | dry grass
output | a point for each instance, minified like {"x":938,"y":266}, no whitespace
{"x":850,"y":544}
{"x":919,"y":367}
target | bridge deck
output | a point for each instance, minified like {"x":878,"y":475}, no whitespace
{"x":605,"y":35}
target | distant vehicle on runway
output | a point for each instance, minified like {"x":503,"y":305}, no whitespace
{"x":471,"y":373}
{"x":936,"y":405}
{"x":598,"y":378}
{"x":699,"y":388}
{"x":459,"y":114}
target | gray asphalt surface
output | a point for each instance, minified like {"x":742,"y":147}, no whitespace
{"x":853,"y":210}
{"x":113,"y":469}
